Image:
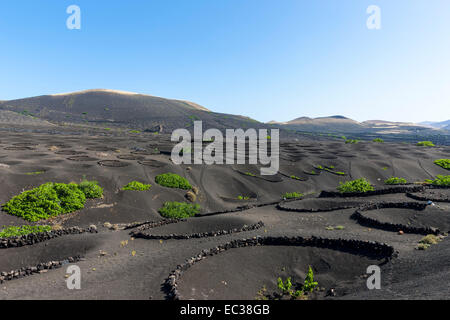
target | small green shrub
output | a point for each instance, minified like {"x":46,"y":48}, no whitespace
{"x":331,"y":228}
{"x":440,"y":180}
{"x":292,"y":195}
{"x":172,"y":180}
{"x":179,"y":210}
{"x":250,"y":174}
{"x":34,"y":173}
{"x":285,"y":286}
{"x":310,"y":284}
{"x":423,"y":246}
{"x":296,"y":178}
{"x":45,"y":201}
{"x":444,"y":163}
{"x":329,"y":169}
{"x":136,"y":186}
{"x":13,"y":231}
{"x":135,"y":131}
{"x":351,"y":141}
{"x":379,"y":140}
{"x":262,"y":294}
{"x":356,"y":186}
{"x":91,"y":189}
{"x":243,"y":198}
{"x":425,"y":144}
{"x":395,"y":180}
{"x":429,"y":239}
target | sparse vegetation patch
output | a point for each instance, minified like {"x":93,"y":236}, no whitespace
{"x":308,"y":286}
{"x":444,"y":163}
{"x":52,"y":199}
{"x":330,"y":169}
{"x":250,"y":174}
{"x":355,"y":186}
{"x":14,"y":231}
{"x":428,"y":241}
{"x":136,"y":186}
{"x":172,"y":180}
{"x":442,"y":181}
{"x":395,"y":181}
{"x":179,"y":210}
{"x":425,"y":144}
{"x":91,"y":189}
{"x":35,"y":173}
{"x":45,"y":201}
{"x":292,"y":195}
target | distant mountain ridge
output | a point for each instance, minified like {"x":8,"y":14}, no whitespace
{"x":439,"y":125}
{"x":344,"y":125}
{"x":103,"y":107}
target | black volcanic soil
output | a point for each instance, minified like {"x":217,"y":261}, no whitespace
{"x":431,"y":217}
{"x":238,"y":274}
{"x":117,"y":266}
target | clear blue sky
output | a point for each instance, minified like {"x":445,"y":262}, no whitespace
{"x":267,"y":59}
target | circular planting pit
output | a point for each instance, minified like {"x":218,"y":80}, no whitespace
{"x":166,"y":149}
{"x":373,"y":155}
{"x":54,"y":161}
{"x":292,"y":157}
{"x":12,"y":163}
{"x":131,"y":157}
{"x":17,"y":148}
{"x":58,"y":145}
{"x":24,"y":144}
{"x":346,"y":155}
{"x":100,"y":149}
{"x":436,"y":195}
{"x":410,"y":217}
{"x":152,"y":163}
{"x":318,"y":205}
{"x":274,"y":178}
{"x":82,"y":158}
{"x":419,"y":155}
{"x":199,"y":227}
{"x":146,"y":152}
{"x":328,"y":157}
{"x":69,"y":152}
{"x":238,"y":270}
{"x":113,"y":163}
